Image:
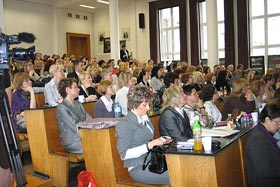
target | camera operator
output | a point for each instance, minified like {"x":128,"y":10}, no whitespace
{"x":6,"y":176}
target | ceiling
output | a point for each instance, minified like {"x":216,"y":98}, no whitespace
{"x":74,"y":4}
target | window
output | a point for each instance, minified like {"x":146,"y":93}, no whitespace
{"x":220,"y":26}
{"x":264,"y":32}
{"x":169,"y":34}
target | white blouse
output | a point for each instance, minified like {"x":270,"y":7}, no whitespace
{"x":213,"y":111}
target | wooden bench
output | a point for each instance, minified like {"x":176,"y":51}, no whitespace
{"x":103,"y":160}
{"x":40,"y":99}
{"x":48,"y":156}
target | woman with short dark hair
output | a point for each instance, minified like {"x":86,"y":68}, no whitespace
{"x":135,"y":135}
{"x":209,"y":96}
{"x":68,"y":114}
{"x":262,"y":152}
{"x":157,"y":74}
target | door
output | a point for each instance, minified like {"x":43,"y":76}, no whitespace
{"x":78,"y":44}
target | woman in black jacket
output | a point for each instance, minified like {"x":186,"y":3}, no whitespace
{"x":262,"y":152}
{"x":174,"y":121}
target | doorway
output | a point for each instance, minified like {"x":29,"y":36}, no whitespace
{"x":78,"y":44}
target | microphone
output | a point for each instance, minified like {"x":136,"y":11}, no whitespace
{"x":26,"y":37}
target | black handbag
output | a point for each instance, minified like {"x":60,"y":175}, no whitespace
{"x":157,"y":163}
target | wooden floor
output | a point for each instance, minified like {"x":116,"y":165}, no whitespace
{"x":28,"y":168}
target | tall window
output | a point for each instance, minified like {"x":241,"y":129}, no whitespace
{"x":169,"y":34}
{"x":220,"y":26}
{"x":264,"y":33}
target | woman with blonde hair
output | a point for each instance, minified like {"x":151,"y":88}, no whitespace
{"x":240,"y":99}
{"x":104,"y":106}
{"x":197,"y":80}
{"x":93,"y":70}
{"x":85,"y":86}
{"x":52,"y":96}
{"x":174,"y":122}
{"x":257,"y":88}
{"x":125,"y":81}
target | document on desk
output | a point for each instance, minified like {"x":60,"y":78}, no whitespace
{"x":98,"y":123}
{"x":218,"y":132}
{"x":185,"y":145}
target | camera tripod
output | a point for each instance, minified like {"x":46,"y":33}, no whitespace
{"x":11,"y":143}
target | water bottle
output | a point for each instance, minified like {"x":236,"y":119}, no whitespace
{"x":230,"y":122}
{"x":117,"y":110}
{"x":197,"y":146}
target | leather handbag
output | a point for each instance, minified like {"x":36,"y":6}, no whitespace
{"x":157,"y":163}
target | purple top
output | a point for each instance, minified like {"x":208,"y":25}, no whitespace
{"x":269,"y":135}
{"x":19,"y":104}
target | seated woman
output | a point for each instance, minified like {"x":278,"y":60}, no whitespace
{"x":269,"y":91}
{"x":194,"y":107}
{"x":85,"y":87}
{"x":52,"y":97}
{"x":262,"y":152}
{"x":135,"y":135}
{"x":209,"y":96}
{"x":257,"y":88}
{"x":143,"y":79}
{"x":156,"y":80}
{"x":222,"y":81}
{"x":174,"y":122}
{"x":22,"y":98}
{"x":104,"y":106}
{"x":125,"y":81}
{"x":68,"y":114}
{"x":241,"y":99}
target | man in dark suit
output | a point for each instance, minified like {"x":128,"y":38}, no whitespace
{"x":78,"y":68}
{"x":124,"y":54}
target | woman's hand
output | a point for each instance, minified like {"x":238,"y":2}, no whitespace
{"x":29,"y":89}
{"x":200,"y":103}
{"x":159,"y":141}
{"x":91,"y":98}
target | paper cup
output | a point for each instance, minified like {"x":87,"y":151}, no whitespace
{"x":254,"y":116}
{"x":81,"y":98}
{"x":207,"y":143}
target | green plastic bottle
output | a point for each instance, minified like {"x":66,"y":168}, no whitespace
{"x":197,"y":136}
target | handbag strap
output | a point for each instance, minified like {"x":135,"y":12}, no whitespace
{"x":145,"y":159}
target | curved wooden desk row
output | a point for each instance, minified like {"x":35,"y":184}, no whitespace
{"x":48,"y":156}
{"x":222,"y":167}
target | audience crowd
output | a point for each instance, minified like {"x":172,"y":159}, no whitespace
{"x":181,"y":93}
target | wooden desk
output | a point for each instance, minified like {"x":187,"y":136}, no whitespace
{"x":48,"y":156}
{"x":103,"y":160}
{"x":222,"y":167}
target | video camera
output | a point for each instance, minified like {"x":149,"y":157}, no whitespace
{"x":18,"y":54}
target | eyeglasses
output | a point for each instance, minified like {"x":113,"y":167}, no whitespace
{"x":275,"y":121}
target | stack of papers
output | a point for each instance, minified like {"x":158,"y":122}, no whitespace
{"x":185,"y":145}
{"x":218,"y":132}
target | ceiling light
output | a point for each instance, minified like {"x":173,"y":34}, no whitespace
{"x":86,"y":6}
{"x":101,"y":1}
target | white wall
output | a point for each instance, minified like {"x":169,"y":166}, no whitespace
{"x":142,"y":35}
{"x":66,"y":24}
{"x":50,"y":26}
{"x":36,"y":19}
